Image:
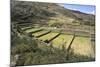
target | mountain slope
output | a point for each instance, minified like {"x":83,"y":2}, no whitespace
{"x":34,"y":12}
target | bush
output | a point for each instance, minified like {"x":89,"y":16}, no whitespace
{"x":26,"y":44}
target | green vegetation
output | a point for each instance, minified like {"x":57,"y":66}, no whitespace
{"x":31,"y":53}
{"x":62,"y":39}
{"x":80,"y":43}
{"x":32,"y":30}
{"x":39,"y":33}
{"x":34,"y":51}
{"x":48,"y":36}
{"x":29,"y":20}
{"x":25,"y":28}
{"x":56,"y":22}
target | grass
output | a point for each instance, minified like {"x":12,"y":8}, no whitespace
{"x":33,"y":51}
{"x":25,"y":28}
{"x":39,"y":33}
{"x":31,"y":54}
{"x":83,"y":46}
{"x":48,"y":36}
{"x":62,"y":40}
{"x":31,"y":30}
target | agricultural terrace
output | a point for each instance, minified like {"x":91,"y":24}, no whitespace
{"x":32,"y":30}
{"x":62,"y":40}
{"x":81,"y":45}
{"x":40,"y":33}
{"x":48,"y":36}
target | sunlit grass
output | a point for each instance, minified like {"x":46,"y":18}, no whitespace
{"x":31,"y":30}
{"x":39,"y":33}
{"x":25,"y":28}
{"x":83,"y":46}
{"x":48,"y":36}
{"x":62,"y":40}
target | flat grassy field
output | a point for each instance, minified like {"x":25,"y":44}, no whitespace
{"x":48,"y":36}
{"x":32,"y":30}
{"x":39,"y":33}
{"x":25,"y":28}
{"x":62,"y":40}
{"x":83,"y":46}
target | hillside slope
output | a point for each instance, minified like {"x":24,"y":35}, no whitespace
{"x":35,"y":12}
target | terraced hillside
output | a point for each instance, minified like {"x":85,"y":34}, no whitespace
{"x":46,"y":33}
{"x":81,"y":45}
